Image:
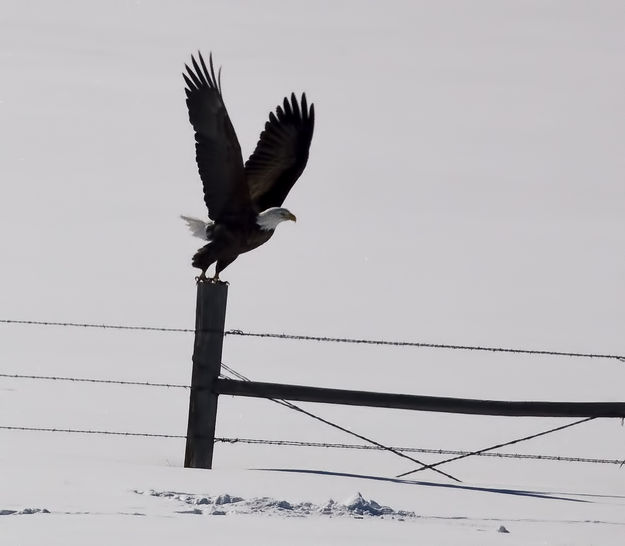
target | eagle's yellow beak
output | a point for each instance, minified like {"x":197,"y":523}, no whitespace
{"x":291,"y":216}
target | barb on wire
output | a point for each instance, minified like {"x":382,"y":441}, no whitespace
{"x":339,"y":427}
{"x":89,"y":380}
{"x":327,"y":339}
{"x":491,"y":448}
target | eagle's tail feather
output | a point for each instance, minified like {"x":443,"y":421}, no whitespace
{"x":199,"y":228}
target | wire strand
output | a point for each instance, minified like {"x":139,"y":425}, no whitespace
{"x":87,"y":431}
{"x":93,"y":325}
{"x":424,"y":345}
{"x":88,"y":380}
{"x":326,"y":339}
{"x":498,"y":446}
{"x":292,"y":443}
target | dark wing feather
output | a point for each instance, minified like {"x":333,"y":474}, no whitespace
{"x":281,"y":153}
{"x":217,"y":149}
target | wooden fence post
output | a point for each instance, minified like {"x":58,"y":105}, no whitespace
{"x":209,"y":334}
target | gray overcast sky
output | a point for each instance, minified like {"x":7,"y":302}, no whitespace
{"x":465,"y":183}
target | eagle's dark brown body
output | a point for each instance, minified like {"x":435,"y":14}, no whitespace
{"x":244,"y":200}
{"x":226,"y":246}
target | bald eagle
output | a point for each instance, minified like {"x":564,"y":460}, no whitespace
{"x":244,"y":201}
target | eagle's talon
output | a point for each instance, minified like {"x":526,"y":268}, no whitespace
{"x":213,"y":280}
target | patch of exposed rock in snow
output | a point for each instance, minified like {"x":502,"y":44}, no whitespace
{"x":220,"y":505}
{"x":25,"y":511}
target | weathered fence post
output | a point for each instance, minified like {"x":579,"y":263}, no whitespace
{"x":209,"y":334}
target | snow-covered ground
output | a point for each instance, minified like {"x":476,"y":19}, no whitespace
{"x":465,"y":186}
{"x":100,"y":502}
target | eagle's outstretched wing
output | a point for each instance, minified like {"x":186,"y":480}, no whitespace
{"x":217,"y":149}
{"x":281,"y":153}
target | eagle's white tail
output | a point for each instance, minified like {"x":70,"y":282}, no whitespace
{"x":197,"y":227}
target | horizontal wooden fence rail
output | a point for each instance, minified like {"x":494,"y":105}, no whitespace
{"x":415,"y":402}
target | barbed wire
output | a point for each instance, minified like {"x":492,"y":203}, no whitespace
{"x":498,"y":446}
{"x":95,"y":325}
{"x":372,"y":443}
{"x":294,"y":443}
{"x":229,"y":370}
{"x":88,"y":431}
{"x":326,"y":339}
{"x":423,"y":345}
{"x":88,"y":380}
{"x":423,"y":466}
{"x":299,"y":409}
{"x":459,"y":455}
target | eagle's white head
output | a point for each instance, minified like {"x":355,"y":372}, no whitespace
{"x":270,"y":218}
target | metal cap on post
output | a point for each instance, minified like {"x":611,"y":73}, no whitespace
{"x":209,"y":334}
